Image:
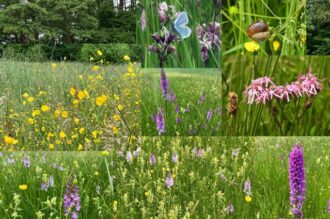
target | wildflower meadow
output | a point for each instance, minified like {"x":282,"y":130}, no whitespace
{"x":276,"y":95}
{"x":230,"y":177}
{"x":267,"y":27}
{"x":68,"y":106}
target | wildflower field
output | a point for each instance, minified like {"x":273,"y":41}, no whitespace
{"x":170,"y":178}
{"x":197,"y":42}
{"x":266,"y":27}
{"x":186,"y":102}
{"x":276,"y":95}
{"x":68,"y":106}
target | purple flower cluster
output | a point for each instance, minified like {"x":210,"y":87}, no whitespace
{"x":164,"y":83}
{"x":264,"y":90}
{"x":247,"y":187}
{"x":209,"y":37}
{"x":160,"y":121}
{"x":71,"y":199}
{"x":297,"y":180}
{"x":169,"y":181}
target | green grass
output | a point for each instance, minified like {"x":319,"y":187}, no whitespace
{"x":188,"y":85}
{"x":256,"y":119}
{"x":188,"y":50}
{"x":42,"y":85}
{"x":285,"y":18}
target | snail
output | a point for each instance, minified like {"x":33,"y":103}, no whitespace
{"x":258,"y":31}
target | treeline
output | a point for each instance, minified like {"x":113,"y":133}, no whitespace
{"x":318,"y":27}
{"x":38,"y":30}
{"x":67,"y":21}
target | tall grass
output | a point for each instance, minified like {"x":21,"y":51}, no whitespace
{"x":256,"y":119}
{"x":188,"y":50}
{"x":286,"y":19}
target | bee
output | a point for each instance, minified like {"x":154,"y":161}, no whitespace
{"x":258,"y":31}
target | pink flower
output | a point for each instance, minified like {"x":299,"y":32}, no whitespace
{"x":310,"y":84}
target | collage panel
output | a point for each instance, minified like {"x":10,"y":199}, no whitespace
{"x":68,"y":105}
{"x":318,"y":22}
{"x":181,"y":102}
{"x":276,"y":95}
{"x":179,"y":34}
{"x":268,"y":27}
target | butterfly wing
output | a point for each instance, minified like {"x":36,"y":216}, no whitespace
{"x":182,"y":19}
{"x":180,"y":25}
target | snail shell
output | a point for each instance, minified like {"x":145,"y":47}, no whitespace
{"x":258,"y":31}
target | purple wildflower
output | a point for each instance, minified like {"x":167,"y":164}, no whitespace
{"x":209,"y":38}
{"x":162,"y":11}
{"x":71,"y":199}
{"x":137,"y":152}
{"x":247,"y":187}
{"x":177,"y":109}
{"x":143,"y":20}
{"x":297,"y":180}
{"x":209,"y":115}
{"x":329,"y":206}
{"x":235,"y":153}
{"x":164,"y":83}
{"x":44,"y":186}
{"x":175,"y":158}
{"x":200,"y":153}
{"x":26,"y":162}
{"x":230,"y":208}
{"x":178,"y":120}
{"x":129,"y":156}
{"x":160,"y":122}
{"x":201,"y":99}
{"x":169,"y":181}
{"x":152,"y":159}
{"x":51,"y":181}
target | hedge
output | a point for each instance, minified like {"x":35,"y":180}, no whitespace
{"x":112,"y":52}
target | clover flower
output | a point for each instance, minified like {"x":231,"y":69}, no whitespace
{"x":71,"y":200}
{"x":297,"y":180}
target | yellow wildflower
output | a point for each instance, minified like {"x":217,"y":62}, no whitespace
{"x":36,"y":113}
{"x":30,"y":99}
{"x":80,"y":147}
{"x":51,"y":146}
{"x":233,"y":10}
{"x":95,"y":68}
{"x":45,"y":108}
{"x":81,"y":130}
{"x":248,"y":198}
{"x":10,"y":140}
{"x":105,"y":153}
{"x":100,"y":100}
{"x":62,"y":134}
{"x":54,"y":66}
{"x":276,"y":45}
{"x":65,"y":114}
{"x":76,"y":120}
{"x":116,"y":117}
{"x":114,"y":130}
{"x":120,"y":107}
{"x":251,"y":46}
{"x":23,"y":187}
{"x":99,"y":53}
{"x":127,"y":58}
{"x":30,"y":121}
{"x":116,"y":97}
{"x":25,"y":95}
{"x":81,"y":95}
{"x":75,"y":102}
{"x":72,"y":91}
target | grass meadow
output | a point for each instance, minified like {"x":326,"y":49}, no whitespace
{"x":285,"y":18}
{"x":300,"y":116}
{"x":187,"y":53}
{"x":68,"y":106}
{"x":167,"y":177}
{"x":195,"y":108}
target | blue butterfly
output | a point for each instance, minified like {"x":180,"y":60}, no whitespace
{"x":180,"y":25}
